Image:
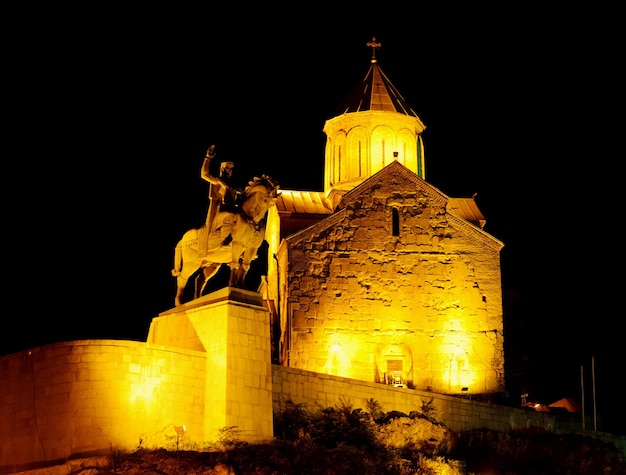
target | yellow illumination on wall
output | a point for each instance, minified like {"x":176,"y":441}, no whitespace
{"x":342,"y":352}
{"x":455,"y":349}
{"x":337,"y":360}
{"x":144,"y":386}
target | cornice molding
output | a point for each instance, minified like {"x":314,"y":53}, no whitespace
{"x":474,"y":232}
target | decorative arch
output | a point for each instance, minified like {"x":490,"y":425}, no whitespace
{"x":407,"y":149}
{"x":383,"y":144}
{"x":335,"y":153}
{"x":393,"y":361}
{"x":358,"y":153}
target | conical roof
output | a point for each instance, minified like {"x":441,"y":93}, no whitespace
{"x":375,"y":92}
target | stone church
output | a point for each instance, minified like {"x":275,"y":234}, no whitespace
{"x":382,"y":277}
{"x":379,"y":287}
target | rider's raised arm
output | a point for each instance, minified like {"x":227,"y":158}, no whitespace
{"x":204,"y":171}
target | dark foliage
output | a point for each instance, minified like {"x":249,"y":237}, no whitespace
{"x":339,"y":438}
{"x":535,"y":451}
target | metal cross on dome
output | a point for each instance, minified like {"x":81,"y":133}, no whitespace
{"x":374,"y":45}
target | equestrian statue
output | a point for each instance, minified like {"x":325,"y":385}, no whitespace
{"x":233,"y":231}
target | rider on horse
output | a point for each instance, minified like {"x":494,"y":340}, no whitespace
{"x":223,"y":196}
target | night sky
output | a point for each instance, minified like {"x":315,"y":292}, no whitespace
{"x":112,"y":111}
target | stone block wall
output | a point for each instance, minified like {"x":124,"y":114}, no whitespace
{"x":92,"y":396}
{"x":313,"y":390}
{"x":427,"y":300}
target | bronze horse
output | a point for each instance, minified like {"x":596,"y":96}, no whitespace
{"x":233,"y":239}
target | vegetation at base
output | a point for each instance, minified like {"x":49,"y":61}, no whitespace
{"x":341,"y":440}
{"x":534,"y":451}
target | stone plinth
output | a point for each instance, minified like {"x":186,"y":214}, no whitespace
{"x":233,"y":328}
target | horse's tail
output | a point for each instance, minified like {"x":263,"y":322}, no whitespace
{"x":178,"y":260}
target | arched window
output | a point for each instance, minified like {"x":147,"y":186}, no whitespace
{"x":395,"y":222}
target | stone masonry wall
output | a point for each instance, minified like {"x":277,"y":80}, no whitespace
{"x":430,"y":297}
{"x":93,"y":396}
{"x":321,"y":390}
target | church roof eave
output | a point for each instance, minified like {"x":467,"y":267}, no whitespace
{"x":303,"y":202}
{"x":367,"y":116}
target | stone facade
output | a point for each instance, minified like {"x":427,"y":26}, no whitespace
{"x":395,"y":288}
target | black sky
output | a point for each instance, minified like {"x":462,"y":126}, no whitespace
{"x":111,"y":113}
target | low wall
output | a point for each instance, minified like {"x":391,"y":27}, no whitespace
{"x":79,"y":398}
{"x":313,"y":389}
{"x":322,"y":390}
{"x":205,"y":366}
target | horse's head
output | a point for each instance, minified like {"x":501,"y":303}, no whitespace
{"x":263,"y":183}
{"x":259,"y":196}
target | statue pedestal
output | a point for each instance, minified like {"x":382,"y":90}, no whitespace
{"x":233,"y":328}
